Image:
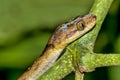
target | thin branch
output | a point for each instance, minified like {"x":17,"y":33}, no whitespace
{"x":92,"y":61}
{"x":78,"y":75}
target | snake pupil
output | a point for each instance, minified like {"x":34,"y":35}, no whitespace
{"x":80,"y":26}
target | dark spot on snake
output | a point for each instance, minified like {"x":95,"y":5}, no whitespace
{"x":70,"y":25}
{"x":50,"y":46}
{"x":71,"y":34}
{"x":36,"y":67}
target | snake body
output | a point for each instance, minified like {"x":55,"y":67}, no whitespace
{"x":63,"y":35}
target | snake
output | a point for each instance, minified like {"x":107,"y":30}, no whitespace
{"x":61,"y":38}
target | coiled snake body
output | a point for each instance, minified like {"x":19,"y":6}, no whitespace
{"x":63,"y":35}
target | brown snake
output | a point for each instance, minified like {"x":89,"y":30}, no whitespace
{"x":63,"y":35}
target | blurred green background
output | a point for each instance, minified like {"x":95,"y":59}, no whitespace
{"x":26,"y":25}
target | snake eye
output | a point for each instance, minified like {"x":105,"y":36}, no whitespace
{"x":80,"y":26}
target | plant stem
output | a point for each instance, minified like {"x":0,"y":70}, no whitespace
{"x":92,"y":61}
{"x":100,"y":9}
{"x":78,"y":75}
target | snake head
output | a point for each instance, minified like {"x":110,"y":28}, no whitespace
{"x":72,"y":30}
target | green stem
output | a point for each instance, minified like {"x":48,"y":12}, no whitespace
{"x":92,"y":61}
{"x":100,"y":9}
{"x":78,"y":75}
